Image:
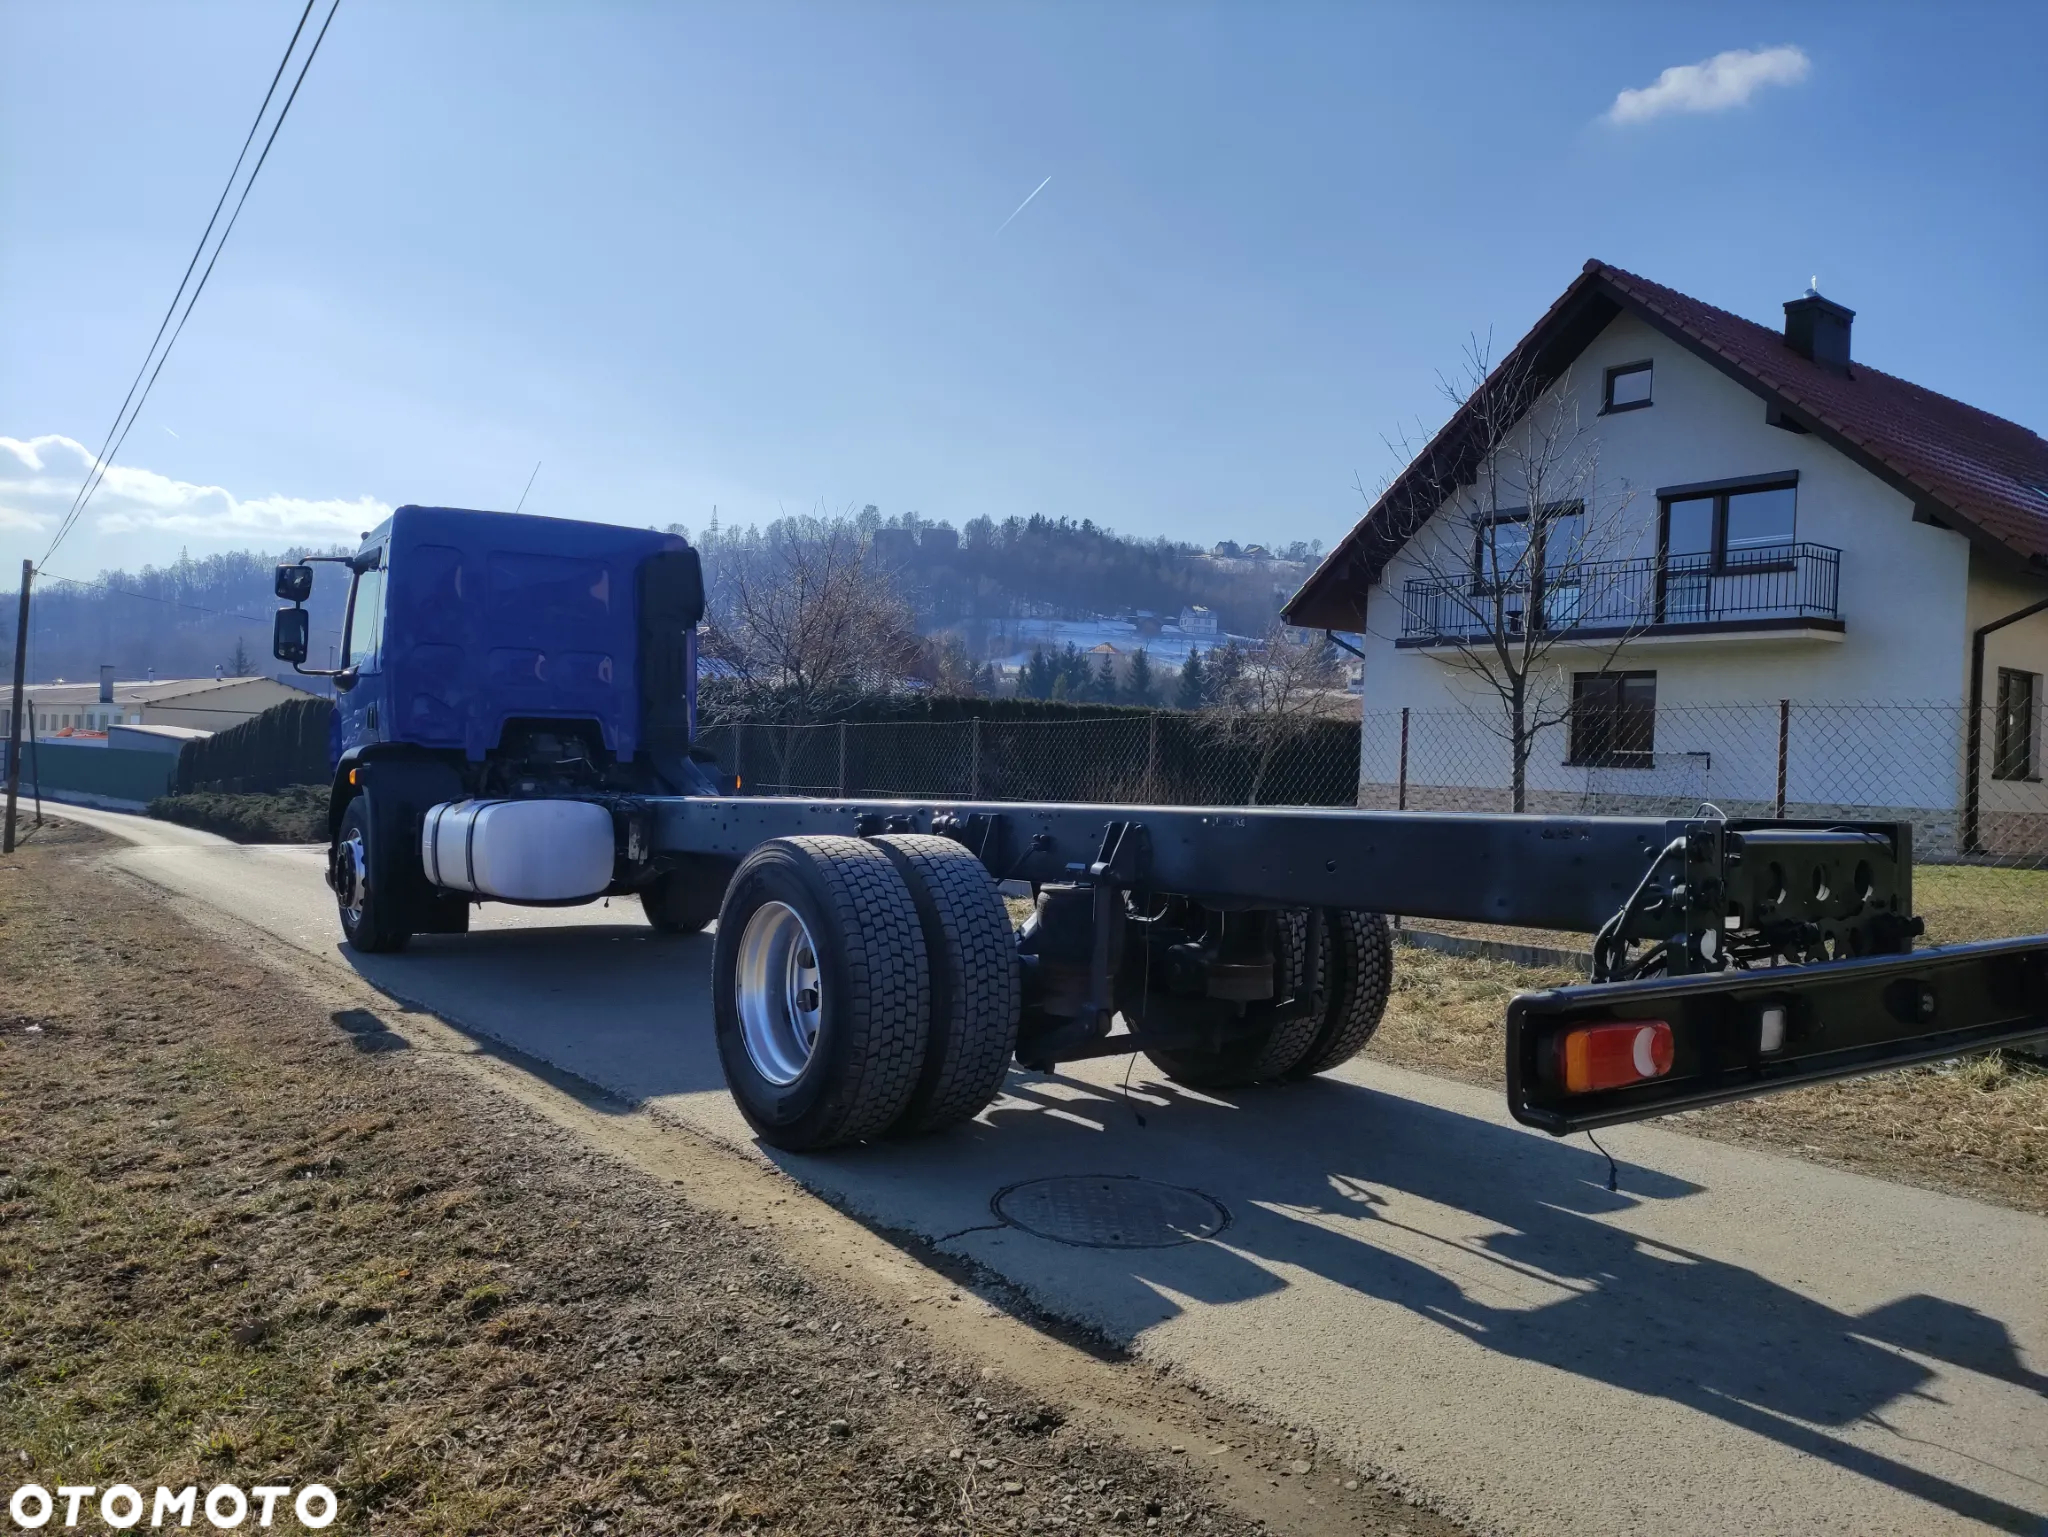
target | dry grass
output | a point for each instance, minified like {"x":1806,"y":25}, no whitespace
{"x":242,"y":1240}
{"x":1964,"y":902}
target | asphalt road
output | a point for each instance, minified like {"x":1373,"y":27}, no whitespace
{"x":1734,"y":1342}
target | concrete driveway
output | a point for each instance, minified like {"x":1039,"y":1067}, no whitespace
{"x":1733,"y":1342}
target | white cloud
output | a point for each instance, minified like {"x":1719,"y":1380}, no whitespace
{"x":1726,"y":80}
{"x":40,"y":476}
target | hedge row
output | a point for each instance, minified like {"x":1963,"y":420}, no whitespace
{"x":285,"y":745}
{"x":297,"y":814}
{"x":720,"y":703}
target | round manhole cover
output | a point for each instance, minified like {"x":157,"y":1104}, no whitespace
{"x":1110,"y":1211}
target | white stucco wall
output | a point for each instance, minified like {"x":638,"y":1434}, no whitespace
{"x":1908,"y":599}
{"x":1903,"y":584}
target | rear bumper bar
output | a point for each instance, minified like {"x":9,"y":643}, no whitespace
{"x":1838,"y":1019}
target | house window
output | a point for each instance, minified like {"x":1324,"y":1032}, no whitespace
{"x":1500,"y":551}
{"x":1501,"y":544}
{"x":1628,"y":388}
{"x":1757,"y":525}
{"x":1614,"y":719}
{"x":2014,"y":754}
{"x":1722,"y":529}
{"x":1738,"y":525}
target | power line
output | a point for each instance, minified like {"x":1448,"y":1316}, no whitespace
{"x":97,"y":472}
{"x":197,"y":251}
{"x":145,"y":597}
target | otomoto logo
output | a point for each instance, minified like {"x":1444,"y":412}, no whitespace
{"x":122,"y":1506}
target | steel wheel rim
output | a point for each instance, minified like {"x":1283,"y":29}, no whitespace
{"x":779,"y":993}
{"x":353,"y":873}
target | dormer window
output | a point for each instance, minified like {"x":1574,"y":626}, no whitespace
{"x":1628,"y":388}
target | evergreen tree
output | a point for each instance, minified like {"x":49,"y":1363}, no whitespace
{"x":1138,"y":680}
{"x":1075,"y":673}
{"x":1105,"y":680}
{"x":1038,"y":676}
{"x":1194,"y":684}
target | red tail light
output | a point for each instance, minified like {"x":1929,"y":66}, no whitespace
{"x":1593,"y":1057}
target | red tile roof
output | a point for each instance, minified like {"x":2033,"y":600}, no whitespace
{"x":1991,"y":472}
{"x":1984,"y":475}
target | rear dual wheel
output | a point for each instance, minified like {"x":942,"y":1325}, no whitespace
{"x":1337,"y":966}
{"x":862,"y":987}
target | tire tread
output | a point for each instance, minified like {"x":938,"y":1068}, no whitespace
{"x":975,"y":992}
{"x":1360,"y":976}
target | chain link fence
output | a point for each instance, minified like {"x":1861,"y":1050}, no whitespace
{"x":1164,"y":759}
{"x":1852,"y":762}
{"x":1855,"y":762}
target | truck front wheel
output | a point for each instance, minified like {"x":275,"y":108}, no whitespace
{"x":356,"y":871}
{"x":820,"y":991}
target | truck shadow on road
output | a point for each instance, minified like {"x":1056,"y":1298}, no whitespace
{"x":1499,"y":1236}
{"x":616,"y":1004}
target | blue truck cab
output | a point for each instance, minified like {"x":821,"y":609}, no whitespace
{"x":491,"y":655}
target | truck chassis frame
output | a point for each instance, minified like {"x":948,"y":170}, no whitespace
{"x":1761,"y":954}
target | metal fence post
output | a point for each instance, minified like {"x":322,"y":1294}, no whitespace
{"x":842,"y":758}
{"x":974,"y":758}
{"x":1784,"y":750}
{"x":1401,"y":803}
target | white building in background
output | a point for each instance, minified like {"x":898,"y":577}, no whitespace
{"x":1788,"y":524}
{"x":204,"y":704}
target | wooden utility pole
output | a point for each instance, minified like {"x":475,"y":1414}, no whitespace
{"x":28,"y":571}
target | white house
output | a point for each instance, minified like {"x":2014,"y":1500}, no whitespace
{"x":1769,"y":575}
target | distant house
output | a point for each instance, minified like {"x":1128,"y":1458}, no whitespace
{"x":1796,"y":525}
{"x":205,"y":704}
{"x":1197,"y":621}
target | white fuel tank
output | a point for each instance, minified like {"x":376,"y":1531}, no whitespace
{"x":519,"y":851}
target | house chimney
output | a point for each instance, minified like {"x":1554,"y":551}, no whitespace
{"x":1818,"y":328}
{"x":106,"y":683}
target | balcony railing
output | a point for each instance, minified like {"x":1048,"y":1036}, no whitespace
{"x":1772,"y":587}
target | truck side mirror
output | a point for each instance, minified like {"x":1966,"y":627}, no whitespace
{"x":294,"y":627}
{"x":294,"y":584}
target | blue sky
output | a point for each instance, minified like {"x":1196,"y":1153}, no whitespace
{"x":750,"y":254}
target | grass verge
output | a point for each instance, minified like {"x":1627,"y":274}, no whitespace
{"x":245,"y":1241}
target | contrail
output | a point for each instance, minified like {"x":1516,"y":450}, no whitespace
{"x":1022,"y":206}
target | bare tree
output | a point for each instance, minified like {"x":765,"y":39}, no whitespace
{"x":948,"y":666}
{"x":801,"y":618}
{"x":1271,"y":697}
{"x":1530,"y":551}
